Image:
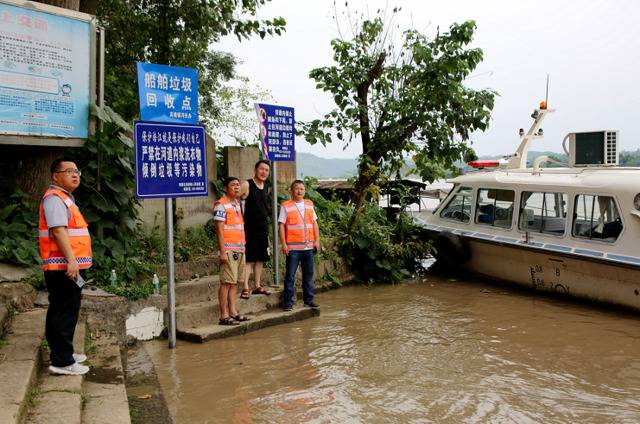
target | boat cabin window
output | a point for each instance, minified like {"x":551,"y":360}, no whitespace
{"x":495,"y":207}
{"x":543,"y":212}
{"x":596,"y":218}
{"x":459,"y":206}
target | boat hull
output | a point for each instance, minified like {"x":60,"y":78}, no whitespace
{"x":564,"y":273}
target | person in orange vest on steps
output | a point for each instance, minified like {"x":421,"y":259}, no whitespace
{"x":300,"y":239}
{"x":65,"y":248}
{"x":227,"y":215}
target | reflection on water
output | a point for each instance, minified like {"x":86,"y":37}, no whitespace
{"x":441,"y":351}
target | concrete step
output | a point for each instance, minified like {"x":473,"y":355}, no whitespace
{"x":104,"y":388}
{"x":205,"y":333}
{"x":201,"y":290}
{"x":206,"y":313}
{"x":19,"y":361}
{"x":59,"y":397}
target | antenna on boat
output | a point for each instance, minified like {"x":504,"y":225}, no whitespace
{"x":519,"y":159}
{"x":546,"y":97}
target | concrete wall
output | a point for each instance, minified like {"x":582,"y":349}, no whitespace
{"x":190,"y":211}
{"x":242,"y":160}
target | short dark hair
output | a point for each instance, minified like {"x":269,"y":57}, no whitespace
{"x":266,"y":162}
{"x":296,"y":182}
{"x":227,"y":180}
{"x":56,"y":163}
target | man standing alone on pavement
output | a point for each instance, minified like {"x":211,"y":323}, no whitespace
{"x":65,"y":248}
{"x":256,"y":213}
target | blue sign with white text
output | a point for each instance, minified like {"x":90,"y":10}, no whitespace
{"x":276,"y":132}
{"x":168,"y":93}
{"x":170,"y":160}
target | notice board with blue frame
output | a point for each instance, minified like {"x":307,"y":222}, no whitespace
{"x":170,"y":160}
{"x":277,"y":135}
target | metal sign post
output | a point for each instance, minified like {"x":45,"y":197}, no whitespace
{"x":274,"y":214}
{"x":170,"y":151}
{"x":171,"y":281}
{"x":278,"y":144}
{"x":171,"y":162}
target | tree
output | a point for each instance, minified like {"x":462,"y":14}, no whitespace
{"x":178,"y":33}
{"x":410,"y":102}
{"x":172,"y":32}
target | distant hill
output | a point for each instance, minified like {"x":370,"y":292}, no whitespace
{"x":309,"y":165}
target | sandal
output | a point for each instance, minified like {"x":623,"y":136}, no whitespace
{"x":244,"y":294}
{"x":261,"y":290}
{"x":228,"y":321}
{"x":241,"y":318}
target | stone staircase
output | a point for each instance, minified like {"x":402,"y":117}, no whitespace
{"x":29,"y":394}
{"x":197,"y":311}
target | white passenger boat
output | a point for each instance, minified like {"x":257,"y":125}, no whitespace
{"x":574,"y":230}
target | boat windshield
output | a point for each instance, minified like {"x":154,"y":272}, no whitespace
{"x":459,"y":206}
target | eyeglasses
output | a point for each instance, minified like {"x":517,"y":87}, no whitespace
{"x":69,"y":172}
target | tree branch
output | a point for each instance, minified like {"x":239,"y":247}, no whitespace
{"x":362,"y":96}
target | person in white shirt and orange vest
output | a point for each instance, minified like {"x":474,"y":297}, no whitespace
{"x":65,"y":248}
{"x":300,"y":239}
{"x":227,"y":215}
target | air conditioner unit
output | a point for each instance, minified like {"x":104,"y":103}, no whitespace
{"x":595,"y":148}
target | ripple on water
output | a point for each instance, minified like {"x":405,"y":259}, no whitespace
{"x":443,"y":352}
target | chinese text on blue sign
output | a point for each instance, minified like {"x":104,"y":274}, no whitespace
{"x":276,"y":132}
{"x":44,"y":73}
{"x":170,"y":160}
{"x":168,"y":93}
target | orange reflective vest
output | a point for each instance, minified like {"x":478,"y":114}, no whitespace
{"x":298,"y":229}
{"x":77,"y":230}
{"x":233,"y":235}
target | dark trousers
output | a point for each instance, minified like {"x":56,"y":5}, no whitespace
{"x":62,"y":316}
{"x":305,"y":259}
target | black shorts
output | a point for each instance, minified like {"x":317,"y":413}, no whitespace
{"x":257,"y":245}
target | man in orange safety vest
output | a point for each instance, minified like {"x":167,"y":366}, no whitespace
{"x":300,"y":238}
{"x":65,"y":248}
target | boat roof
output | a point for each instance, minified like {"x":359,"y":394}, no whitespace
{"x":595,"y":178}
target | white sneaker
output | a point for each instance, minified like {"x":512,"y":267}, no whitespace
{"x":73,"y":369}
{"x":79,"y":357}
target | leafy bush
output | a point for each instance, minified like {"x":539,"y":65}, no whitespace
{"x":377,"y":249}
{"x":18,"y":230}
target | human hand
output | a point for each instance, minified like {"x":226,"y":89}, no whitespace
{"x":285,"y":249}
{"x":73,"y":270}
{"x":223,"y":258}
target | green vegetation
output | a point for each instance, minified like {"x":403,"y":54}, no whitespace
{"x":407,"y":100}
{"x":178,"y":33}
{"x":173,"y":33}
{"x":377,"y":248}
{"x":18,"y":235}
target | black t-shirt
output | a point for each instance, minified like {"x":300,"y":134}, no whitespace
{"x":257,"y":208}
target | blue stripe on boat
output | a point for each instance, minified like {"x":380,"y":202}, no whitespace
{"x":588,"y":253}
{"x":557,"y":248}
{"x":506,"y":239}
{"x":624,"y":258}
{"x":484,"y":236}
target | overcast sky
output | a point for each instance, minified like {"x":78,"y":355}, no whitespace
{"x":590,"y":49}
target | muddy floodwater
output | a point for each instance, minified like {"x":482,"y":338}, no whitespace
{"x":440,"y":351}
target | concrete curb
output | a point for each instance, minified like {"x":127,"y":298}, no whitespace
{"x":19,"y":361}
{"x":59,"y":398}
{"x":211,"y":332}
{"x":104,"y":388}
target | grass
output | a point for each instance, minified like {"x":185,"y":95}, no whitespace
{"x":31,"y":400}
{"x":89,"y":347}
